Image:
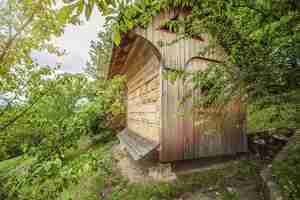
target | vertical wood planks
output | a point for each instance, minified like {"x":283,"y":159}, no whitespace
{"x":183,"y":134}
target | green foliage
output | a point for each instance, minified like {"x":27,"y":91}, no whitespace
{"x":274,"y":116}
{"x":106,"y":112}
{"x":52,"y":104}
{"x":248,"y":168}
{"x":287,"y":174}
{"x":91,"y":183}
{"x":80,"y":6}
{"x":11,"y":164}
{"x":100,"y":54}
{"x":212,"y":83}
{"x":260,"y":38}
{"x":120,"y":188}
{"x":43,"y":113}
{"x":46,"y":180}
{"x":72,"y":108}
{"x":228,"y":194}
{"x":107,"y":182}
{"x":27,"y":26}
{"x":140,"y":13}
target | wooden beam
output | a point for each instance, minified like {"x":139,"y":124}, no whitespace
{"x":132,"y":52}
{"x":207,"y":59}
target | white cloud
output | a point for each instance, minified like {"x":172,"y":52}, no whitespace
{"x":76,"y":41}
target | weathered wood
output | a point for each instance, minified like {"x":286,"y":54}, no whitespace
{"x":137,"y":146}
{"x":154,"y":109}
{"x":143,"y":95}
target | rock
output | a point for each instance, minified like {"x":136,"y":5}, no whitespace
{"x":280,"y":138}
{"x":162,"y":172}
{"x":259,"y":141}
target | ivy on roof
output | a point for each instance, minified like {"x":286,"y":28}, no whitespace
{"x":141,"y":13}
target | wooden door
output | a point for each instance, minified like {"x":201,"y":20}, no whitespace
{"x":171,"y":133}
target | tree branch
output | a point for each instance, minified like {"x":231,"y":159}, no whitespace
{"x":9,"y":103}
{"x":266,"y":15}
{"x":13,"y":38}
{"x":2,"y":128}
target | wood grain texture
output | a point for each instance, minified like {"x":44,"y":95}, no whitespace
{"x":155,"y":107}
{"x":137,"y":146}
{"x":191,"y":133}
{"x":143,"y":96}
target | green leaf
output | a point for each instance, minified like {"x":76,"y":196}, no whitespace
{"x":117,"y":38}
{"x":89,"y":8}
{"x":80,"y":6}
{"x":103,"y":7}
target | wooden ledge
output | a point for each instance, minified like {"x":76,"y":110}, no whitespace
{"x":137,"y":146}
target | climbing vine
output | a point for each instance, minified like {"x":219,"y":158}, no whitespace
{"x":260,"y":39}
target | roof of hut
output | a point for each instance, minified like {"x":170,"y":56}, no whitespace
{"x":131,"y":43}
{"x":140,"y":14}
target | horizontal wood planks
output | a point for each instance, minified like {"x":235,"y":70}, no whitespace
{"x":154,"y":109}
{"x":143,"y":95}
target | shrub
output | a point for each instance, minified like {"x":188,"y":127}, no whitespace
{"x":262,"y":116}
{"x":60,"y":122}
{"x":287,"y":174}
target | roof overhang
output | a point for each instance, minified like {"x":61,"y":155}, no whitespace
{"x":131,"y":46}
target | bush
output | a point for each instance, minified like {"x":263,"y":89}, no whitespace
{"x":262,"y":116}
{"x":46,"y":180}
{"x":12,"y":142}
{"x":64,"y":116}
{"x":105,"y":114}
{"x":287,"y":174}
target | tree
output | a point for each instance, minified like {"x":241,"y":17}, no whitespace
{"x":30,"y":25}
{"x":27,"y":26}
{"x":100,"y":54}
{"x":43,"y":114}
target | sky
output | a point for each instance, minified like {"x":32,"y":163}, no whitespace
{"x":76,"y":42}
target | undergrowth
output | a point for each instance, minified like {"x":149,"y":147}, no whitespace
{"x":287,"y":173}
{"x":111,"y":185}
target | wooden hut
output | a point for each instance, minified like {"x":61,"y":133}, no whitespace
{"x":156,"y":122}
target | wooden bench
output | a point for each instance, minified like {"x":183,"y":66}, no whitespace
{"x":137,"y":146}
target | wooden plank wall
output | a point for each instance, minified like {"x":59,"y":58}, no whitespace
{"x":143,"y":95}
{"x":183,"y":135}
{"x":173,"y":56}
{"x":177,"y":54}
{"x":213,"y":131}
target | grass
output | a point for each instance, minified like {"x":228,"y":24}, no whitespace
{"x":213,"y":179}
{"x":86,"y":148}
{"x":10,"y":164}
{"x":90,"y":184}
{"x":106,"y":182}
{"x":286,"y":172}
